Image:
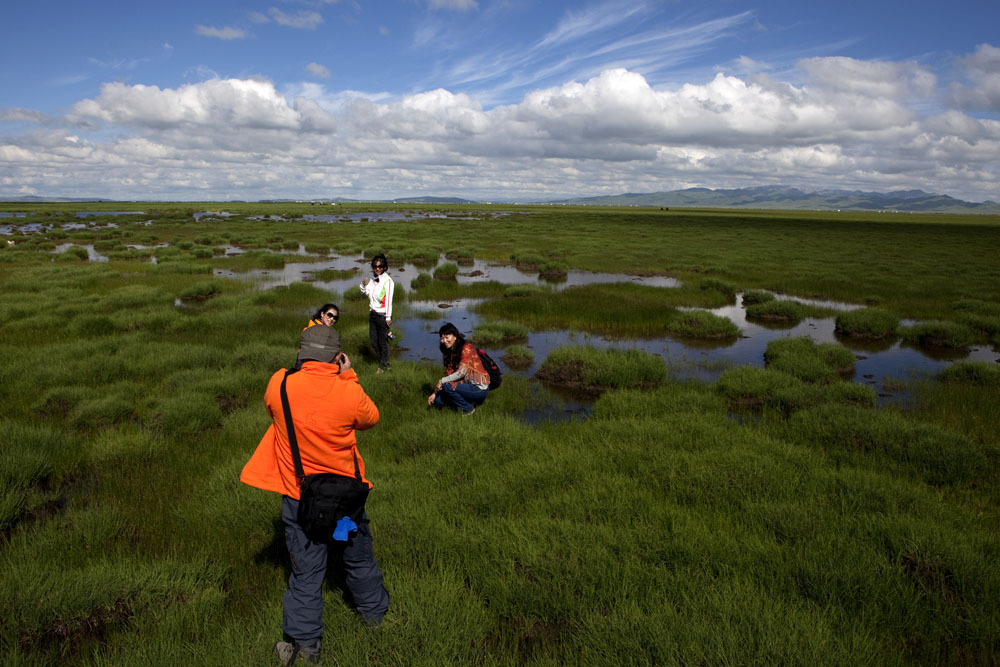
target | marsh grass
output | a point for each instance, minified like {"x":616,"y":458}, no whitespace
{"x":867,"y":323}
{"x":446,"y":271}
{"x":951,"y":335}
{"x":778,"y":394}
{"x":780,"y":310}
{"x":496,"y":334}
{"x":593,"y":370}
{"x":754,"y":297}
{"x":615,"y":308}
{"x":518,"y":356}
{"x":861,"y":436}
{"x":809,"y":361}
{"x":661,"y":530}
{"x":700,"y":324}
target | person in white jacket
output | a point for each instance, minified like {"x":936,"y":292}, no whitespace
{"x":380,"y":290}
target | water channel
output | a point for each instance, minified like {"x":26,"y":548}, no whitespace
{"x":881,"y":365}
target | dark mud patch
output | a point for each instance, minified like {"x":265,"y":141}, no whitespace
{"x":71,"y":634}
{"x":517,"y":363}
{"x":931,"y":575}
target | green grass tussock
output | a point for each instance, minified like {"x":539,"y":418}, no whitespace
{"x":621,"y":309}
{"x":778,"y":393}
{"x":446,"y":271}
{"x":867,"y":323}
{"x":858,"y":436}
{"x":779,"y":310}
{"x":495,"y":334}
{"x":972,"y":372}
{"x":753,"y":297}
{"x":588,"y":368}
{"x":201,"y":291}
{"x":760,"y":519}
{"x":809,"y":361}
{"x":700,"y":324}
{"x":950,"y":335}
{"x":518,"y":356}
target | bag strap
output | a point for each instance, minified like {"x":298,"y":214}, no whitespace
{"x":293,"y":441}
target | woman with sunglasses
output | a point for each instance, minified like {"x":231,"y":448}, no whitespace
{"x":328,"y":314}
{"x":379,"y":290}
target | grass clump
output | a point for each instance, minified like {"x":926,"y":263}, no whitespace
{"x":328,"y":275}
{"x":518,"y":356}
{"x":875,"y":438}
{"x":872,"y":323}
{"x":461,"y":255}
{"x":720,"y":286}
{"x":495,"y":334}
{"x":515,"y":291}
{"x":978,"y":373}
{"x":201,"y":291}
{"x":809,"y":361}
{"x":446,"y":271}
{"x":590,"y":369}
{"x":754,"y":297}
{"x":421,"y":255}
{"x":778,"y":394}
{"x":74,"y":252}
{"x":780,"y":310}
{"x":943,"y":334}
{"x":527,"y":261}
{"x":700,"y":324}
{"x":553,"y":269}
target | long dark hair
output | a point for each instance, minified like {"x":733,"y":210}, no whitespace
{"x":380,"y":258}
{"x":451,"y":358}
{"x":322,"y":309}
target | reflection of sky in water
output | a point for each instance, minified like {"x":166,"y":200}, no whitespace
{"x":90,"y":214}
{"x":705,"y":360}
{"x":485,"y":272}
{"x":877,"y":362}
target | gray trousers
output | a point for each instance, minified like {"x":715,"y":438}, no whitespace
{"x":302,"y":619}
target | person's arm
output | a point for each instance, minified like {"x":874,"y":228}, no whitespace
{"x":390,"y":288}
{"x":457,"y":376}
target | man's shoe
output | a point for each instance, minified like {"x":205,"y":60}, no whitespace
{"x":466,"y":414}
{"x":288,"y":653}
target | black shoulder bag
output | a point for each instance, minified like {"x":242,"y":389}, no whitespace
{"x":325,"y":497}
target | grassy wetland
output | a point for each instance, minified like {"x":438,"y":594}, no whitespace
{"x":776,"y":514}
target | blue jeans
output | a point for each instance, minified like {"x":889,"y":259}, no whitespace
{"x":465,"y":397}
{"x":302,"y":619}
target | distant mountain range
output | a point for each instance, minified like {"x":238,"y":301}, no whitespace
{"x":780,"y":197}
{"x":765,"y":197}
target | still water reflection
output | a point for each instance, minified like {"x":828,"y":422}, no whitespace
{"x":881,"y":364}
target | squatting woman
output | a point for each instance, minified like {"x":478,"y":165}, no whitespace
{"x":466,"y":382}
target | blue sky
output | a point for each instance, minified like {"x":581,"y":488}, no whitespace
{"x":496,"y":99}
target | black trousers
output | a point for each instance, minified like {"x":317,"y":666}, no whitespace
{"x":378,"y":335}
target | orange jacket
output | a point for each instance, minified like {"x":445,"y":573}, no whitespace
{"x":327,"y":408}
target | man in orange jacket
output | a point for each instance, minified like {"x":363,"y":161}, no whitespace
{"x":328,"y":405}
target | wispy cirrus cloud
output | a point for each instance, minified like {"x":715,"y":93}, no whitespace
{"x":585,"y":43}
{"x":220,"y":33}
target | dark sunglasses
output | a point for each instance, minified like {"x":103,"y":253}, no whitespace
{"x":380,"y":266}
{"x":332,"y":315}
